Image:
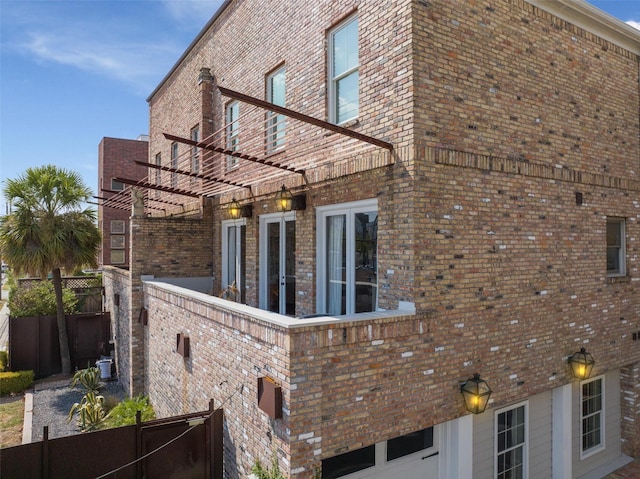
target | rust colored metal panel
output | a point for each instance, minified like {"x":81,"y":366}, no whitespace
{"x":270,"y":397}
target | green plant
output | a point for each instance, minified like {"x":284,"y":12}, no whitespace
{"x":263,"y":472}
{"x":124,"y":413}
{"x":4,"y":360}
{"x":90,"y":411}
{"x":15,"y":382}
{"x":40,"y":300}
{"x":88,"y":378}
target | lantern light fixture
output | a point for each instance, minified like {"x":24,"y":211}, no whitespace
{"x":476,"y":393}
{"x":581,"y":364}
{"x":234,"y":209}
{"x":284,"y":200}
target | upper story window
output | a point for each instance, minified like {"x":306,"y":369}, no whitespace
{"x":275,"y":121}
{"x":117,"y":185}
{"x":195,"y":151}
{"x":592,"y":416}
{"x":232,"y":115}
{"x":158,"y":172}
{"x":343,"y":68}
{"x":174,"y":164}
{"x":616,"y":264}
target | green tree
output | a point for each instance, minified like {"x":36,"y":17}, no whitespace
{"x":48,"y":230}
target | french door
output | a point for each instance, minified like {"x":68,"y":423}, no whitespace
{"x":277,"y":263}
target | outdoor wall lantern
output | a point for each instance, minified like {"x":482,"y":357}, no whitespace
{"x":284,"y":200}
{"x":476,"y":393}
{"x":581,"y":364}
{"x":234,"y":209}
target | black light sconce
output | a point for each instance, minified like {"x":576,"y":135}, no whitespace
{"x":476,"y":393}
{"x":236,"y":211}
{"x":581,"y":364}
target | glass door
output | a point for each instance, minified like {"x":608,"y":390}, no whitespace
{"x":277,"y":261}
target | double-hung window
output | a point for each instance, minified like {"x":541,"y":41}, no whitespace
{"x":232,"y":115}
{"x":511,"y":443}
{"x":592,"y":416}
{"x":275,"y":121}
{"x":174,"y":164}
{"x":343,"y":63}
{"x":616,"y":263}
{"x":158,"y":173}
{"x":195,"y":151}
{"x":347,"y":258}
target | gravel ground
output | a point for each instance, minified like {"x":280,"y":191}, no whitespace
{"x":52,"y":401}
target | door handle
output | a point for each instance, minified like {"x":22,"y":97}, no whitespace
{"x":431,"y":455}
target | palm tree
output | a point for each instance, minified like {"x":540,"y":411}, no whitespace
{"x":47,"y":230}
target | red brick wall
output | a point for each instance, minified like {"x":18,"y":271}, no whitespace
{"x":116,"y":158}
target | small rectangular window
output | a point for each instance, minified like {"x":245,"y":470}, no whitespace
{"x":616,"y":256}
{"x":275,"y":121}
{"x":591,"y":413}
{"x":117,"y":256}
{"x":195,"y":151}
{"x":117,"y":185}
{"x":343,"y":67}
{"x":117,"y":227}
{"x":117,"y":241}
{"x":232,"y":132}
{"x":349,"y":462}
{"x":409,"y":443}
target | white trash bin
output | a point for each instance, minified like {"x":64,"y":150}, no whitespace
{"x":105,"y":368}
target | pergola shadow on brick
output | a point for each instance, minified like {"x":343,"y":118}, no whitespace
{"x":266,"y":147}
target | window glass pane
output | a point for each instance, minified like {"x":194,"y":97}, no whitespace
{"x":117,"y":256}
{"x":349,"y":462}
{"x":345,"y":48}
{"x":510,"y":443}
{"x":290,"y":266}
{"x":117,"y":226}
{"x":195,"y":151}
{"x":117,"y":241}
{"x":366,"y":268}
{"x":273,"y":266}
{"x":347,"y":97}
{"x":233,"y":129}
{"x":276,"y":122}
{"x":409,"y":443}
{"x":336,"y":265}
{"x":591,"y":414}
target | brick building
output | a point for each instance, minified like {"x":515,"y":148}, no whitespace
{"x":464,"y":184}
{"x":117,"y":157}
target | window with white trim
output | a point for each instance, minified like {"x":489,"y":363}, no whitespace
{"x":174,"y":164}
{"x":117,"y":227}
{"x":232,"y":115}
{"x":591,"y":416}
{"x":511,"y":443}
{"x":195,"y":151}
{"x":158,"y":173}
{"x":117,"y":185}
{"x":616,"y":255}
{"x":343,"y":68}
{"x":347,"y":257}
{"x":276,"y":122}
{"x":234,"y":234}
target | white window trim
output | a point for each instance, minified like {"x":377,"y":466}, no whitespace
{"x":622,"y":254}
{"x":195,"y":151}
{"x":333,"y":79}
{"x":525,"y":452}
{"x":322,"y":212}
{"x":232,"y":131}
{"x":272,"y":143}
{"x":226,"y":224}
{"x":594,"y":450}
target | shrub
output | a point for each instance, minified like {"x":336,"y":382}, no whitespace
{"x":90,"y":411}
{"x":88,"y":378}
{"x":40,"y":300}
{"x":4,"y":360}
{"x":15,"y":382}
{"x":263,"y":472}
{"x":124,"y":414}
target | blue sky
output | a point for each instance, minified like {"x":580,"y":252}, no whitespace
{"x":73,"y":72}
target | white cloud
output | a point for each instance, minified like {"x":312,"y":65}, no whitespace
{"x":634,"y":24}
